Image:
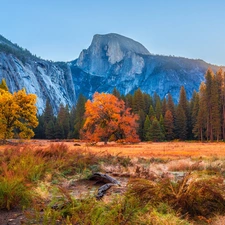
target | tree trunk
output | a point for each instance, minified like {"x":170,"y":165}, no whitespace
{"x":108,"y":183}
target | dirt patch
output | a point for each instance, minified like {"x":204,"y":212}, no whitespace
{"x":12,"y":217}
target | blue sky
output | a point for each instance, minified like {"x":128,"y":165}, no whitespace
{"x":59,"y":29}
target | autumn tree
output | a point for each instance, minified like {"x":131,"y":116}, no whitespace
{"x":17,"y":114}
{"x":106,"y":116}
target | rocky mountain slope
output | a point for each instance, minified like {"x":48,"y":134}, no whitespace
{"x":111,"y":61}
{"x":116,"y":61}
{"x":46,"y":79}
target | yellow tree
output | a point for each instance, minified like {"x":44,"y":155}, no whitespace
{"x":106,"y":118}
{"x":17,"y":114}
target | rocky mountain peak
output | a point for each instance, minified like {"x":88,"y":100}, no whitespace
{"x":108,"y":50}
{"x":113,"y":42}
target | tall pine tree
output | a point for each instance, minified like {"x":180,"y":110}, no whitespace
{"x":169,"y":126}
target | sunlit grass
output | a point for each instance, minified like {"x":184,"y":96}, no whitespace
{"x":43,"y":182}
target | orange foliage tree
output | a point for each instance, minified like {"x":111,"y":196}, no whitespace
{"x":106,"y":118}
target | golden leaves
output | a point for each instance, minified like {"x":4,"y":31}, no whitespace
{"x":17,"y":111}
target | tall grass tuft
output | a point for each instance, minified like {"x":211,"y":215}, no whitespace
{"x":192,"y":196}
{"x":13,"y":190}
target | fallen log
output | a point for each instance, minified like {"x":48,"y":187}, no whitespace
{"x":104,"y":178}
{"x":102,"y":190}
{"x":108,"y":183}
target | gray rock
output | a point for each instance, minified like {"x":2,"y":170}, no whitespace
{"x":111,"y":61}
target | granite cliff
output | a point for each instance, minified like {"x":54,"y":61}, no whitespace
{"x":112,"y":60}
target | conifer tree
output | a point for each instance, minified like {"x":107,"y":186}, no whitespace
{"x":164,"y":107}
{"x":79,"y":115}
{"x":194,"y":109}
{"x":216,"y":116}
{"x":39,"y":130}
{"x":220,"y":79}
{"x":116,"y":93}
{"x":155,"y":133}
{"x":186,"y":107}
{"x":169,"y":126}
{"x":213,"y":117}
{"x":63,"y":120}
{"x":138,"y":101}
{"x":181,"y":123}
{"x":3,"y":85}
{"x":170,"y":105}
{"x":223,"y":105}
{"x":158,"y":109}
{"x":58,"y":131}
{"x":183,"y":100}
{"x":72,"y":117}
{"x":147,"y":102}
{"x":156,"y":99}
{"x":151,"y":113}
{"x":129,"y":101}
{"x":200,"y":125}
{"x":48,"y":116}
{"x":161,"y":123}
{"x":146,"y":132}
{"x":141,"y":122}
{"x":181,"y":119}
{"x":48,"y":112}
{"x":50,"y":130}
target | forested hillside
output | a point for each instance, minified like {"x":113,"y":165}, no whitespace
{"x":201,"y":118}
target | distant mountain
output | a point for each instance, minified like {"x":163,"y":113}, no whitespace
{"x":116,"y":61}
{"x":111,"y":61}
{"x":46,"y":79}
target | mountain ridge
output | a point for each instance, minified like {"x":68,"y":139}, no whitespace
{"x":112,"y":60}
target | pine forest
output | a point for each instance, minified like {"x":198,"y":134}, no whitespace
{"x":200,"y":118}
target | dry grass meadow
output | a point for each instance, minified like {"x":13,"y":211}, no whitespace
{"x":144,"y":149}
{"x":158,"y":183}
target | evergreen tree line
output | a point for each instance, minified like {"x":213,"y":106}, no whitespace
{"x":65,"y":125}
{"x":200,"y":118}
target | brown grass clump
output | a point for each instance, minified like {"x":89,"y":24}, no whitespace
{"x":192,"y":196}
{"x":185,"y":165}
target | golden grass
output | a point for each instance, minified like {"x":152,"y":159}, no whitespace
{"x":162,"y":149}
